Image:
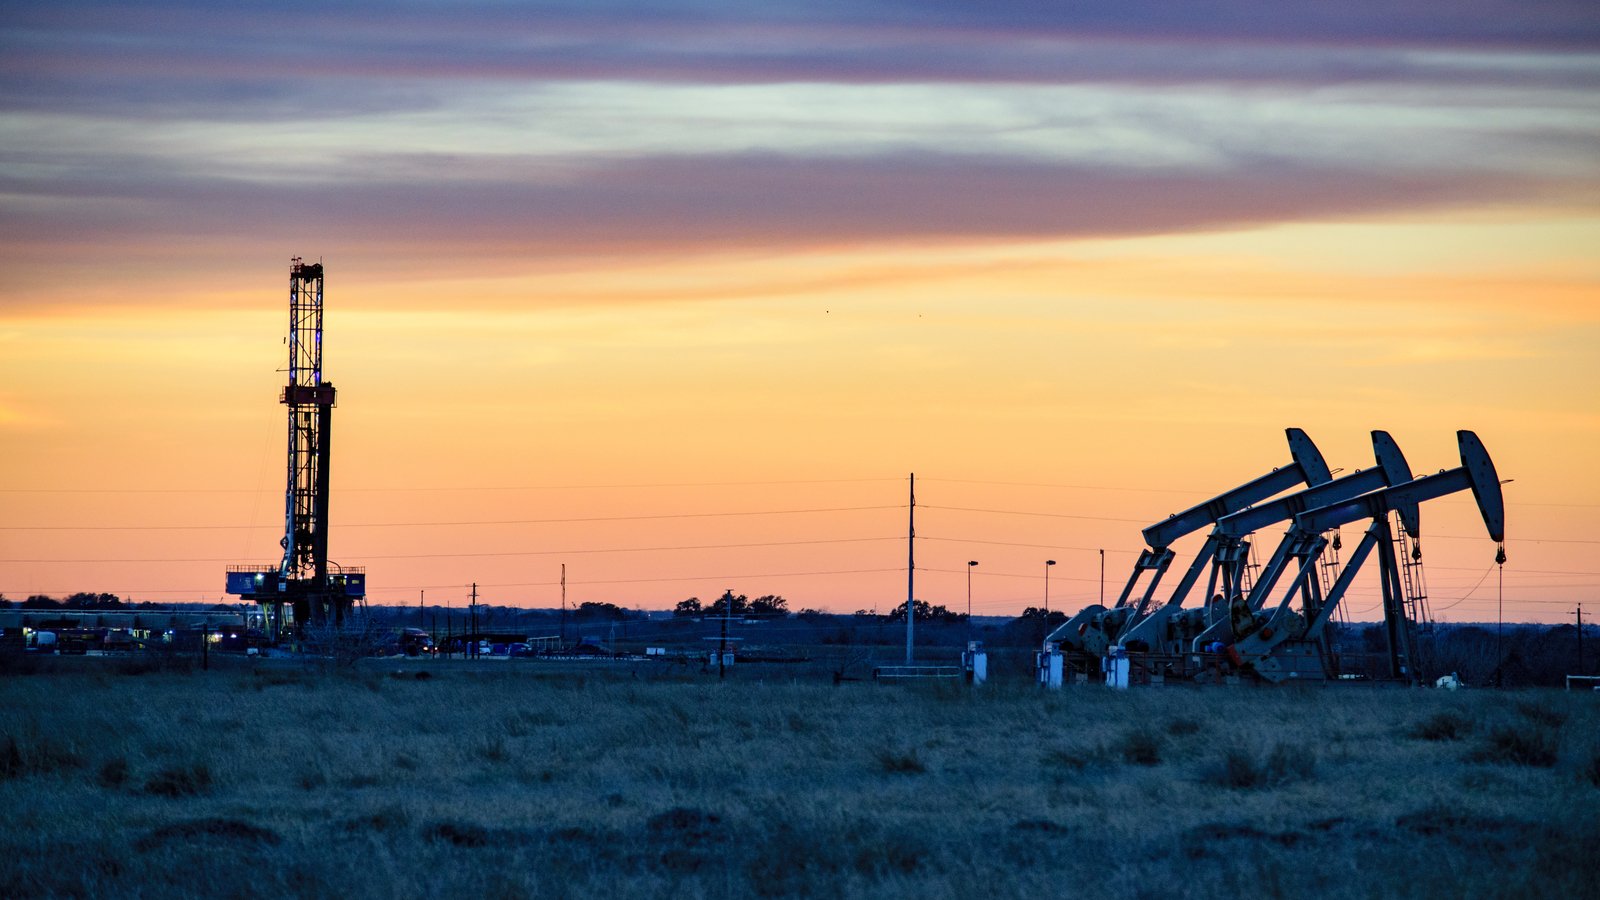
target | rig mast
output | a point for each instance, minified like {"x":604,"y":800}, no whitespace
{"x":302,"y":580}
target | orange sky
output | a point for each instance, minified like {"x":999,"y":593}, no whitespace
{"x":1112,"y":378}
{"x":651,"y":301}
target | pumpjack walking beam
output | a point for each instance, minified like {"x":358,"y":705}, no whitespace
{"x":1227,"y":541}
{"x":1306,"y":467}
{"x":1262,"y":648}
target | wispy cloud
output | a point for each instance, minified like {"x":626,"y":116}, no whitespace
{"x":669,"y":127}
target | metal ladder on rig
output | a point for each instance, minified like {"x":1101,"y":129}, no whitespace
{"x":1249,"y":571}
{"x":1412,"y":580}
{"x":1414,"y":598}
{"x":1328,"y":571}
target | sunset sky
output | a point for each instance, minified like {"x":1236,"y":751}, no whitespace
{"x":679,"y":293}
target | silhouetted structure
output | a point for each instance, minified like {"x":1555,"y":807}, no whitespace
{"x":301,"y":589}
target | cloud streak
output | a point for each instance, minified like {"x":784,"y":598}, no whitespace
{"x":603,"y":128}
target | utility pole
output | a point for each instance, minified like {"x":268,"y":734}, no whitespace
{"x":1580,"y":638}
{"x":422,"y":613}
{"x":1102,"y":577}
{"x":563,"y":604}
{"x":911,"y":572}
{"x":722,"y":649}
{"x":1047,"y":564}
{"x":474,"y":651}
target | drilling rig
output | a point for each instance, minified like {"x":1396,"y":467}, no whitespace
{"x":304,"y":587}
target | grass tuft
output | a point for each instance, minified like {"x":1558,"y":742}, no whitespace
{"x":1518,"y":747}
{"x":1140,"y":748}
{"x":1183,"y":726}
{"x":12,"y":765}
{"x":897,"y":762}
{"x":1073,"y":759}
{"x":494,"y":750}
{"x":388,"y":819}
{"x":459,"y":834}
{"x":1040,"y":826}
{"x":42,"y":756}
{"x":180,"y":781}
{"x":1442,"y":726}
{"x":230,"y":830}
{"x":1541,"y":714}
{"x":1241,"y":770}
{"x":686,"y":839}
{"x":113,"y":772}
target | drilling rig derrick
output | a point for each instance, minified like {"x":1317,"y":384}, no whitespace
{"x":301,"y":589}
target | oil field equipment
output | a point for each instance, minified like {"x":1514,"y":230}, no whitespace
{"x":1285,"y":643}
{"x":1169,"y":635}
{"x":1238,"y":631}
{"x":1084,"y":638}
{"x":305,"y":587}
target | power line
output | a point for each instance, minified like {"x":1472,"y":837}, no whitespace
{"x":1014,"y":512}
{"x":571,"y":583}
{"x":1078,"y":487}
{"x":1468,"y":594}
{"x":495,"y":554}
{"x":1029,"y":546}
{"x":412,"y":587}
{"x":460,"y":489}
{"x":1520,"y":540}
{"x":992,"y":573}
{"x":707,"y":515}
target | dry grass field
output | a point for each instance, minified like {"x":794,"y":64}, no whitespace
{"x":377,"y":784}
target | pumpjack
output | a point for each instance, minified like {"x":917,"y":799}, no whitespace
{"x":1171,"y":632}
{"x":1082,"y":640}
{"x":1286,"y":643}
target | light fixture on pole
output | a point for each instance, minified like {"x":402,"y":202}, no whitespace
{"x":970,"y":564}
{"x":1047,"y":564}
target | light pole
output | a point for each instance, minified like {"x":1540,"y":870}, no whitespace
{"x":1047,"y":564}
{"x":970,"y":564}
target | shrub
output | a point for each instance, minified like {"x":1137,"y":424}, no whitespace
{"x":1518,"y":746}
{"x":1442,"y":726}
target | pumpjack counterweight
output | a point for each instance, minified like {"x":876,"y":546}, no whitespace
{"x":301,"y":589}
